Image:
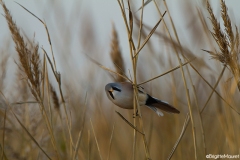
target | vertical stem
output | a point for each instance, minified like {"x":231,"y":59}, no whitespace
{"x":183,"y":75}
{"x":134,"y":100}
{"x":187,"y":117}
{"x":3,"y":134}
{"x":200,"y":120}
{"x":110,"y":143}
{"x":89,"y":145}
{"x":132,"y":49}
{"x":96,"y":140}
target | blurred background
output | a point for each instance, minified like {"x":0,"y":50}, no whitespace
{"x":84,"y":32}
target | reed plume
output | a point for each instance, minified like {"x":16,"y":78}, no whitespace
{"x":28,"y":56}
{"x":116,"y":55}
{"x":54,"y":97}
{"x":227,"y":41}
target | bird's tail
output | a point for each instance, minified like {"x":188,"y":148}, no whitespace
{"x":156,"y":103}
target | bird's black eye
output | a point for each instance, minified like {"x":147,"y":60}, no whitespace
{"x":111,"y":94}
{"x":116,"y":89}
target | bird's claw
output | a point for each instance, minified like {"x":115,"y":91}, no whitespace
{"x":136,"y":114}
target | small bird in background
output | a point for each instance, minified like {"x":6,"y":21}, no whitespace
{"x":121,"y":94}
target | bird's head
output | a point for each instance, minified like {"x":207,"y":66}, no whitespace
{"x":112,"y":89}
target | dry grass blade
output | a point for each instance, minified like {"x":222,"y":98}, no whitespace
{"x":188,"y":118}
{"x":149,"y":36}
{"x":147,"y":153}
{"x":28,"y":102}
{"x":3,"y":136}
{"x":95,"y":139}
{"x":145,"y":4}
{"x":116,"y":55}
{"x":201,"y":142}
{"x":130,"y":124}
{"x":48,"y":86}
{"x":193,"y":126}
{"x":81,"y":130}
{"x":165,"y":73}
{"x":49,"y":39}
{"x":89,"y":146}
{"x":134,"y":57}
{"x":184,"y":82}
{"x":25,"y":129}
{"x":29,"y":134}
{"x":110,"y":142}
{"x":57,"y":75}
{"x":209,"y":97}
{"x":44,"y":73}
{"x":186,"y":122}
{"x":58,"y":78}
{"x":200,"y":120}
{"x":30,"y":62}
{"x":182,"y":72}
{"x":121,"y":4}
{"x":77,"y":145}
{"x":4,"y":157}
{"x":214,"y":89}
{"x":29,"y":12}
{"x":130,"y":16}
{"x":140,"y":26}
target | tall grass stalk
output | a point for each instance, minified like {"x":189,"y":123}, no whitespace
{"x":94,"y":134}
{"x":58,"y":78}
{"x":30,"y":61}
{"x":134,"y":57}
{"x":182,"y":72}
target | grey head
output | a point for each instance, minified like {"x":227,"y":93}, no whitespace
{"x":121,"y":94}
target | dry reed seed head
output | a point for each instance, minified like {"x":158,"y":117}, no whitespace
{"x":220,"y":39}
{"x":35,"y":69}
{"x":29,"y":58}
{"x":116,"y":55}
{"x":237,"y":42}
{"x":54,"y":97}
{"x":228,"y":45}
{"x":216,"y":56}
{"x":227,"y":23}
{"x":3,"y":70}
{"x":58,"y":77}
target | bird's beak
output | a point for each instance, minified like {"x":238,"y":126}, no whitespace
{"x":110,"y":90}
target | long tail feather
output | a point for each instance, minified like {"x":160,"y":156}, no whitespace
{"x":153,"y":102}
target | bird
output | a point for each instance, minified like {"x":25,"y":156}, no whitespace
{"x":121,"y":94}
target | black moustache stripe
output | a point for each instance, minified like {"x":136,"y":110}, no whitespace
{"x":111,"y":94}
